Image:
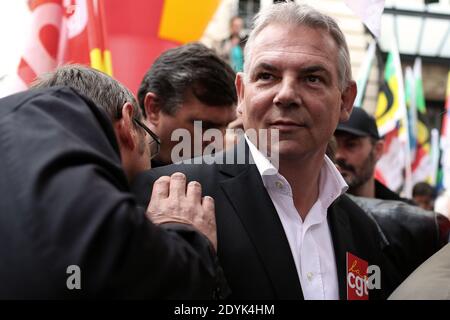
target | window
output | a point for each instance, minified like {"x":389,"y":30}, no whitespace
{"x":247,"y":10}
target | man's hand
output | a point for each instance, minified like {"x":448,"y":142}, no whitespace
{"x":171,"y":202}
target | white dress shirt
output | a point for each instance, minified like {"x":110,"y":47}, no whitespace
{"x":310,"y":240}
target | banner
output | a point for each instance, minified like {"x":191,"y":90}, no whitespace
{"x":128,"y":35}
{"x":392,"y":122}
{"x":420,"y":138}
{"x":364,"y":72}
{"x":445,"y":139}
{"x":140,"y":30}
{"x":369,"y":11}
{"x":62,"y":31}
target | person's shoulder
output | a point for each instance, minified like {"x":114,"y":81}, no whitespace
{"x":352,"y":206}
{"x":361,"y":218}
{"x":22,"y":99}
{"x":431,"y":280}
{"x":193,"y":170}
{"x":191,"y":167}
{"x":384,"y":193}
{"x":59,"y":101}
{"x":413,"y":233}
{"x":401,"y":214}
{"x":401,"y":219}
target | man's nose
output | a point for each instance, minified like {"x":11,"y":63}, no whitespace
{"x":287,"y":95}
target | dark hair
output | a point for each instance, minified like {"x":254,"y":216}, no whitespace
{"x":106,"y":92}
{"x":190,"y":67}
{"x":423,"y":189}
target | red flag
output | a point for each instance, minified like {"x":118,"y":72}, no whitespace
{"x":138,"y":31}
{"x":62,"y":31}
{"x":86,"y":35}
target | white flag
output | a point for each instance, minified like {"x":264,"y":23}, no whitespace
{"x":369,"y":11}
{"x":364,"y":72}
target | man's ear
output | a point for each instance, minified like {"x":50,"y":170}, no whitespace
{"x":125,"y":130}
{"x":347,"y":99}
{"x":240,"y":87}
{"x":239,"y":110}
{"x":152,"y":108}
{"x":379,"y":147}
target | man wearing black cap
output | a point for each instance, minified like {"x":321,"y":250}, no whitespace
{"x":359,"y":147}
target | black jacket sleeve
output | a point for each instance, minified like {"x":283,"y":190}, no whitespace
{"x":64,"y":200}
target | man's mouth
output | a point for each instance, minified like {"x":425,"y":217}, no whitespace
{"x":286,"y":125}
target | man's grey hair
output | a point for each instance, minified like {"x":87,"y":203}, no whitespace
{"x":291,"y":13}
{"x":106,"y":92}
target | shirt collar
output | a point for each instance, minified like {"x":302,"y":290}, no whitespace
{"x":264,"y":166}
{"x":331,"y":184}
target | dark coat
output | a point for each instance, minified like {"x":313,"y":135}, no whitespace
{"x":252,"y":246}
{"x":384,"y":193}
{"x":65,"y":200}
{"x":413,"y":234}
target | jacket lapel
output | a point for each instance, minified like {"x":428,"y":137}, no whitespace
{"x":343,"y":242}
{"x":260,"y":219}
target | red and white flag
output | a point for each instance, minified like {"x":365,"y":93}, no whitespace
{"x":138,"y":31}
{"x":62,"y":31}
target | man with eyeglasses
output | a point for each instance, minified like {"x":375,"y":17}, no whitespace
{"x":155,"y":142}
{"x":69,"y":227}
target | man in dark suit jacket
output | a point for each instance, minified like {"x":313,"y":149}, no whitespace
{"x":69,"y":226}
{"x":284,"y":231}
{"x":252,"y":246}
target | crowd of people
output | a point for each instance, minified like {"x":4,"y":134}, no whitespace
{"x":89,"y":180}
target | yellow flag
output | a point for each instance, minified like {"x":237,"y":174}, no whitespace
{"x":185,"y":21}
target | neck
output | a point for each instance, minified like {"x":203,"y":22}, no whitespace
{"x":303,"y":175}
{"x":128,"y":166}
{"x":366,"y":190}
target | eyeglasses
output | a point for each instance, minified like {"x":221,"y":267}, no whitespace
{"x":155,"y":144}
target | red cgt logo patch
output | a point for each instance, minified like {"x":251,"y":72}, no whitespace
{"x":361,"y":278}
{"x":357,"y":278}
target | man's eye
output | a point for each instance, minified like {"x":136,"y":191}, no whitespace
{"x":351,"y":145}
{"x":264,"y":76}
{"x":313,"y":79}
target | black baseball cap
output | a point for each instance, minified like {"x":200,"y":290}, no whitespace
{"x":360,"y":124}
